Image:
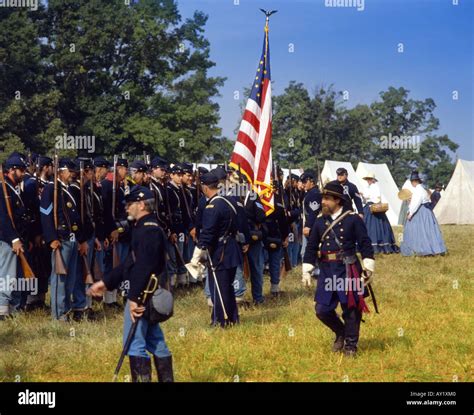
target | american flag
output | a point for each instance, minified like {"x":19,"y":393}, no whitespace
{"x":253,"y":148}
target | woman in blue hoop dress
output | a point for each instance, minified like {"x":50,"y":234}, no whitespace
{"x":378,"y":227}
{"x":421,"y":235}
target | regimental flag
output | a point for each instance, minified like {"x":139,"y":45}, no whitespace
{"x":253,"y":148}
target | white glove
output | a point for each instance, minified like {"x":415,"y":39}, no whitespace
{"x":368,"y":264}
{"x":369,"y":267}
{"x":195,"y":267}
{"x":198,"y":255}
{"x":307,"y":271}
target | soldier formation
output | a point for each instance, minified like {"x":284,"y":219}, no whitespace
{"x":99,"y":227}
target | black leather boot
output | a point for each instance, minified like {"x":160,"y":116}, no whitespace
{"x":78,"y":315}
{"x":352,"y":319}
{"x":331,"y":320}
{"x":338,"y":343}
{"x":140,"y":367}
{"x":164,"y":368}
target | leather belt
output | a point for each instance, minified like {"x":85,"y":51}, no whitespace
{"x":330,"y":256}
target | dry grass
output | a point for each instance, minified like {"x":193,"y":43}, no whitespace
{"x":424,"y":333}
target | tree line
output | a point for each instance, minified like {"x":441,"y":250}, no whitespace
{"x":135,"y":77}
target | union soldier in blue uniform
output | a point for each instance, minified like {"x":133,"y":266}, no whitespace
{"x":179,"y":225}
{"x":243,"y":234}
{"x":350,"y":189}
{"x":82,"y":306}
{"x":341,"y":280}
{"x":138,"y":170}
{"x":217,"y":239}
{"x":67,"y":237}
{"x":13,"y":234}
{"x":311,"y":205}
{"x":100,"y":169}
{"x":275,"y":235}
{"x":116,"y":224}
{"x":147,"y":257}
{"x":201,"y":202}
{"x":159,"y":167}
{"x":235,"y":193}
{"x":312,"y":200}
{"x":254,"y":215}
{"x":189,"y":203}
{"x":40,"y":254}
{"x":294,"y":218}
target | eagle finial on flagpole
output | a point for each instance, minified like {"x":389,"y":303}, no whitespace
{"x":268,"y":13}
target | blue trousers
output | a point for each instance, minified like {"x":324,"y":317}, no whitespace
{"x":274,"y":264}
{"x":174,"y":266}
{"x":123,"y":249}
{"x":256,"y":264}
{"x":148,"y":337}
{"x":350,"y":328}
{"x":79,"y":299}
{"x":62,"y":286}
{"x":293,"y":245}
{"x":239,"y":283}
{"x":8,"y":272}
{"x":225,"y":281}
{"x":293,"y":252}
{"x":188,"y":249}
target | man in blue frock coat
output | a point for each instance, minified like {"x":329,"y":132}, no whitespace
{"x":342,"y":278}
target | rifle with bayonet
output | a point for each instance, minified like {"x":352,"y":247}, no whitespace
{"x":198,"y":183}
{"x":59,"y":266}
{"x":186,"y":203}
{"x":96,"y":268}
{"x":37,"y":176}
{"x":86,"y":271}
{"x":320,"y":181}
{"x":115,"y":255}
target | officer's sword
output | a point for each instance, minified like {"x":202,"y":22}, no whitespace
{"x":226,"y":317}
{"x":374,"y":301}
{"x":150,"y":289}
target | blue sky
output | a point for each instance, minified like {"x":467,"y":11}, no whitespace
{"x":354,"y":50}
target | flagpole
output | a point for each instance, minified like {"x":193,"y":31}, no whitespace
{"x":267,"y":20}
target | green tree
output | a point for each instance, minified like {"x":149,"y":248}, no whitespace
{"x":133,"y":76}
{"x":434,"y":160}
{"x":408,"y":121}
{"x":307,"y":129}
{"x":28,"y":103}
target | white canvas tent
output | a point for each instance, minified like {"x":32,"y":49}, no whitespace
{"x":456,"y":204}
{"x":388,"y":187}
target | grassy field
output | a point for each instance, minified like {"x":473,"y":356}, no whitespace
{"x":424,"y":333}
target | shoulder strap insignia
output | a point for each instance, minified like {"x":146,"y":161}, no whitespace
{"x":150,"y":224}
